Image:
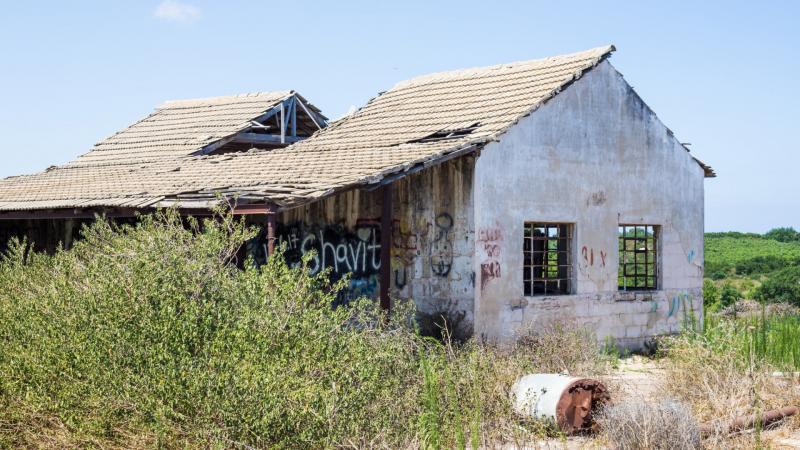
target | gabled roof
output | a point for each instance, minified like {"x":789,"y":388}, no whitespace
{"x":487,"y":100}
{"x":417,"y":123}
{"x":182,"y":127}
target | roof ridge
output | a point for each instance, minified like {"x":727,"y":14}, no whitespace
{"x":222,"y":99}
{"x":448,"y":75}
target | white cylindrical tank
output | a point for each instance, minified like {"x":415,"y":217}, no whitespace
{"x":567,"y":402}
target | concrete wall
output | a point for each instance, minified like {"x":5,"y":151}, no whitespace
{"x":432,"y":241}
{"x":595,"y":156}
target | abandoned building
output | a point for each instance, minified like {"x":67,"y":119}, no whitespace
{"x":499,"y":197}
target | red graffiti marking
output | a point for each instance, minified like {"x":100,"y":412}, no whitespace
{"x":490,"y":266}
{"x":489,"y":271}
{"x":492,"y":250}
{"x":588,"y":256}
{"x":489,"y":235}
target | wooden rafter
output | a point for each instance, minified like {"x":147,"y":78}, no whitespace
{"x":285,"y":119}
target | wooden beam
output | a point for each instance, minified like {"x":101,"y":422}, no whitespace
{"x":312,"y":116}
{"x":283,"y":124}
{"x":90,"y":213}
{"x":69,"y":224}
{"x":422,"y":165}
{"x":271,"y":232}
{"x":210,"y":148}
{"x":68,"y":213}
{"x":386,"y":247}
{"x":256,"y":124}
{"x":294,"y":116}
{"x":252,"y":209}
{"x":256,"y":138}
{"x":288,"y":109}
{"x":275,"y":111}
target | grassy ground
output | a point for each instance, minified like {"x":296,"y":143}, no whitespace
{"x":150,"y":337}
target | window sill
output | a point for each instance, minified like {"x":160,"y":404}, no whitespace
{"x":546,"y":295}
{"x":638,"y":295}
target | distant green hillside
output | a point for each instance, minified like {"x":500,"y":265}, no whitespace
{"x":747,"y":254}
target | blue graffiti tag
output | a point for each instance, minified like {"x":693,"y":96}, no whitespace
{"x":675,"y":303}
{"x":673,"y":306}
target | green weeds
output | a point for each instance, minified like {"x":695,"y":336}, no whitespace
{"x":149,"y":336}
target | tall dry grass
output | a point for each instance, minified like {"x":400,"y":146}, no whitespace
{"x":650,"y":425}
{"x":710,"y":374}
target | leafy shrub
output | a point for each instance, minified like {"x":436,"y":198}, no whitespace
{"x":728,"y":295}
{"x":783,"y":234}
{"x":783,"y":286}
{"x":761,"y":265}
{"x":732,"y":234}
{"x":149,"y":336}
{"x":718,"y":275}
{"x":154,"y":324}
{"x":742,"y":253}
{"x":710,"y":294}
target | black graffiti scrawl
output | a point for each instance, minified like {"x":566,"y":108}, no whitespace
{"x":442,"y":246}
{"x":356,"y":251}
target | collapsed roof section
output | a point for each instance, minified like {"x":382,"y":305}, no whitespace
{"x":209,"y":125}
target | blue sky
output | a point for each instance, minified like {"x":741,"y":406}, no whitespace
{"x":721,"y":75}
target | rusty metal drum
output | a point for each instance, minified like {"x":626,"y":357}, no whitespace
{"x":570,"y":403}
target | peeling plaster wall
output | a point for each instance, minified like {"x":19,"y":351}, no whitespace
{"x":595,"y":156}
{"x":432,"y":241}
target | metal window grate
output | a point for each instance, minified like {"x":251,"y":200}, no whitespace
{"x":638,"y":262}
{"x":547,"y":253}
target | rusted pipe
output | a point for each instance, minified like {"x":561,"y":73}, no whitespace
{"x":749,"y":421}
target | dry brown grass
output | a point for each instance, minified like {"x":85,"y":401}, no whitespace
{"x":719,"y":387}
{"x":648,"y":425}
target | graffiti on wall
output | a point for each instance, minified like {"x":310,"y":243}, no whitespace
{"x":588,"y":255}
{"x":342,"y":250}
{"x":356,"y":251}
{"x":405,"y":249}
{"x":684,"y":300}
{"x":489,"y":239}
{"x":442,"y":246}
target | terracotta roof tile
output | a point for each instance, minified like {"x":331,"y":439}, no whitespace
{"x":148,"y":163}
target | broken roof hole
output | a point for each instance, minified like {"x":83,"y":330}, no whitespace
{"x":450,"y":132}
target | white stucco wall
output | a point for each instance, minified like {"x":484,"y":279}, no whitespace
{"x":595,"y":156}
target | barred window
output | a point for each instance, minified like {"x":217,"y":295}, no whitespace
{"x":547,"y":264}
{"x":638,"y":257}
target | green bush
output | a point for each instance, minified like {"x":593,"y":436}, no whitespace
{"x":718,"y":275}
{"x":783,"y":234}
{"x":783,"y":286}
{"x":154,"y":324}
{"x":710,"y":294}
{"x":149,"y":336}
{"x":761,"y":265}
{"x":728,"y":295}
{"x":727,"y":254}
